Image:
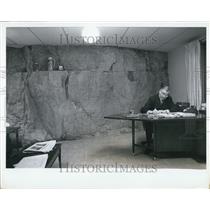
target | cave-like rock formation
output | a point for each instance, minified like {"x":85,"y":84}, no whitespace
{"x":97,"y":81}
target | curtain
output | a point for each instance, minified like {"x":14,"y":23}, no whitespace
{"x":193,"y":71}
{"x":203,"y":70}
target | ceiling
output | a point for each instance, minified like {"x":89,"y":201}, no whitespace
{"x":163,"y":39}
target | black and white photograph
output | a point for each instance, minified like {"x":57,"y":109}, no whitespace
{"x":107,"y":95}
{"x":106,"y":99}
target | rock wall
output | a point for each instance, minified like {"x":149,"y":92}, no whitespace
{"x":97,"y":81}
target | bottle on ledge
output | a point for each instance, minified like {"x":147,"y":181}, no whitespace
{"x":51,"y":64}
{"x":36,"y":67}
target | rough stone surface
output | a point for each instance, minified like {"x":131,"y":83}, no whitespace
{"x":97,"y":81}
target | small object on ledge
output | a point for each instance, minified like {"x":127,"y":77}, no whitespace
{"x":131,"y":111}
{"x":60,"y":68}
{"x":51,"y":64}
{"x":36,"y":67}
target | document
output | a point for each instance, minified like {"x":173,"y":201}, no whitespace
{"x":36,"y":161}
{"x":43,"y":147}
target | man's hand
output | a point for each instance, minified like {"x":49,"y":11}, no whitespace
{"x":155,"y":111}
{"x":149,"y":112}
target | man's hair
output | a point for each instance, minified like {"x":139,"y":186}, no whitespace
{"x":163,"y":85}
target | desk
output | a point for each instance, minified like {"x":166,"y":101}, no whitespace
{"x":56,"y":152}
{"x":167,"y":133}
{"x":52,"y":156}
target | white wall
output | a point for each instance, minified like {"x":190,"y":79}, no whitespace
{"x":177,"y":75}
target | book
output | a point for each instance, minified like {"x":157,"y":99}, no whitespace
{"x":42,"y":147}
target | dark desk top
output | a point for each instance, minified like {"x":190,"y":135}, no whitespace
{"x":144,"y":117}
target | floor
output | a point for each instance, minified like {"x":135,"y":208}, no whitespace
{"x":116,"y":149}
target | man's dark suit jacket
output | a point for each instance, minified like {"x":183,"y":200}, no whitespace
{"x":154,"y":103}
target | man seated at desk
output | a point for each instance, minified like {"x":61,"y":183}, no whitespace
{"x":160,"y":101}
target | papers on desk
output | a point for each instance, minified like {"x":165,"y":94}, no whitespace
{"x":183,"y":114}
{"x":36,"y":161}
{"x":156,"y":114}
{"x":170,"y":115}
{"x":44,"y":147}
